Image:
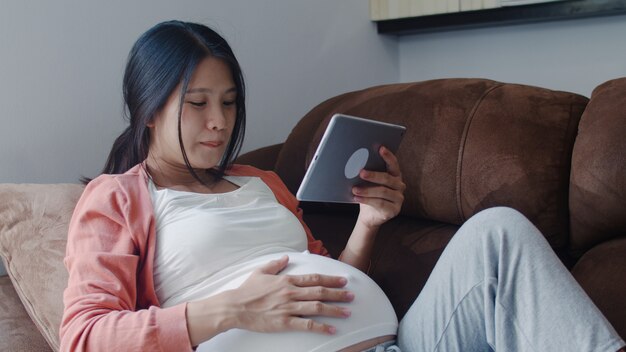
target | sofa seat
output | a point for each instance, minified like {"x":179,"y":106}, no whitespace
{"x":17,"y":330}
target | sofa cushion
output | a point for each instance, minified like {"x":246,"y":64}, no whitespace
{"x":33,"y":232}
{"x":470,"y":144}
{"x":598,"y":182}
{"x":601,"y":272}
{"x":17,"y":331}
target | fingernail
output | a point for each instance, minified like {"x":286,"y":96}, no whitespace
{"x":331,"y":330}
{"x":346,"y":312}
{"x":350,"y":295}
{"x":343,"y":281}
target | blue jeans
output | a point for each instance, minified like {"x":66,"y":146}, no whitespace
{"x":499,"y":286}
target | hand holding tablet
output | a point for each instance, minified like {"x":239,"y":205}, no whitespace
{"x":349,"y":145}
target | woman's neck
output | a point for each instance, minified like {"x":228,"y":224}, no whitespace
{"x":166,"y":175}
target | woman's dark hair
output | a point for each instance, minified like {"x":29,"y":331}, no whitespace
{"x":164,"y":56}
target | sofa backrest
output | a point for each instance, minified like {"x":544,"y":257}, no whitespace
{"x":598,"y":179}
{"x":470,"y":144}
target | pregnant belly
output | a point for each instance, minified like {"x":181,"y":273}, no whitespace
{"x":372,"y":321}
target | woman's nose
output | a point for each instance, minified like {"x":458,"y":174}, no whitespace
{"x":216,"y":120}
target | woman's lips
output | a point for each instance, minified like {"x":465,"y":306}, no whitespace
{"x":212,"y":144}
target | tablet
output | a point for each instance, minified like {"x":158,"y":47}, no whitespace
{"x":349,"y":145}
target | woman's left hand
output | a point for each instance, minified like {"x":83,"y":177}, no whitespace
{"x":383,"y":200}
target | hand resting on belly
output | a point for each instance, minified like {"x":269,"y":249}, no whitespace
{"x":372,"y":319}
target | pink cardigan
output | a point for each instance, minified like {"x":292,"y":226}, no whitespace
{"x":110,"y":302}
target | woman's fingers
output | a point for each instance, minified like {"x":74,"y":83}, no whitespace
{"x":386,"y":202}
{"x":319,"y":293}
{"x":310,"y":325}
{"x":383,"y":179}
{"x":316,"y":308}
{"x":379,"y":192}
{"x":274,"y":267}
{"x":387,"y":193}
{"x":297,"y":319}
{"x":317,"y":280}
{"x":391,"y":178}
{"x":393,"y":166}
{"x":317,"y":287}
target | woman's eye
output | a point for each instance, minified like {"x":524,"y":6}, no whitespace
{"x":197,"y":103}
{"x":229,"y":103}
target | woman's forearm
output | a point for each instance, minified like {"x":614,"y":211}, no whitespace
{"x":379,"y":202}
{"x":358,"y":250}
{"x":208,"y":318}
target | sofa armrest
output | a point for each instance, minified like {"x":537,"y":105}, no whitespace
{"x":17,"y":330}
{"x":262,"y":158}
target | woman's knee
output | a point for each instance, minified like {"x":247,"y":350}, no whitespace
{"x":498,"y":215}
{"x":503,"y":222}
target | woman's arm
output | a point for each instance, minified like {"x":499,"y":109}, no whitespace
{"x":104,"y":258}
{"x":378,"y":204}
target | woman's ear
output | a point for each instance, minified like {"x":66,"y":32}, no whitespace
{"x":151,"y":123}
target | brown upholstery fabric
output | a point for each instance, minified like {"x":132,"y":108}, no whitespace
{"x":407,"y":245}
{"x":518,"y":152}
{"x":262,"y":158}
{"x":470,"y":144}
{"x":33,"y":233}
{"x":602,"y":273}
{"x":598,"y":180}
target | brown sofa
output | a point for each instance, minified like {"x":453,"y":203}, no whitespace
{"x":471,"y":144}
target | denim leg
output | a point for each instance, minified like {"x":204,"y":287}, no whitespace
{"x":499,"y":286}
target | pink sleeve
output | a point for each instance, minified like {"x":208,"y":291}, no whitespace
{"x":100,"y":300}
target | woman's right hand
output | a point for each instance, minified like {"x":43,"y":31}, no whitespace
{"x":267,"y":302}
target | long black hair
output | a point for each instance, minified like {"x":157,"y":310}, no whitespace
{"x":163,"y":57}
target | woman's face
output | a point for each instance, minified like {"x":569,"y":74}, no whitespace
{"x":208,"y":116}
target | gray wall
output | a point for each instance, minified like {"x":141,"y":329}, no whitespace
{"x":61,"y":66}
{"x":62,"y":63}
{"x":573,"y":55}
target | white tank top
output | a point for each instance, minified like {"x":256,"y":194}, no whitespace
{"x":209,"y":243}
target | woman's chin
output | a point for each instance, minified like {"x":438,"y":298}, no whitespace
{"x":208,"y":162}
{"x":205,"y":165}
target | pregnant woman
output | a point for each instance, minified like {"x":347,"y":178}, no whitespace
{"x":175,"y":247}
